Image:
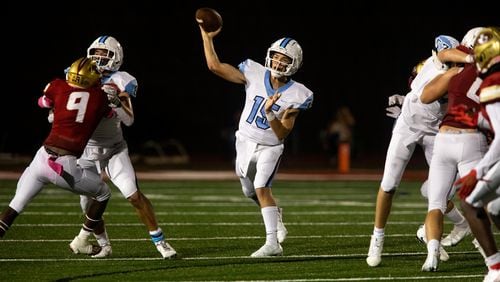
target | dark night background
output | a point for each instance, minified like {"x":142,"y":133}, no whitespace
{"x":355,"y":54}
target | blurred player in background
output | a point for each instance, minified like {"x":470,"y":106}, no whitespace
{"x":272,"y":103}
{"x":78,"y":105}
{"x":107,"y":150}
{"x":416,"y":125}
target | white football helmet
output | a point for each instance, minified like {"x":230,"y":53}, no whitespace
{"x":470,"y":37}
{"x":113,"y":59}
{"x":290,"y":48}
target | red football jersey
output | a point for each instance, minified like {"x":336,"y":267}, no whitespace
{"x":462,"y":91}
{"x":77,"y":113}
{"x":490,"y":81}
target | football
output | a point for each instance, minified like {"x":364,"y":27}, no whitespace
{"x":209,"y":19}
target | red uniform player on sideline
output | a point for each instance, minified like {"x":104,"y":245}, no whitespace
{"x":78,"y":104}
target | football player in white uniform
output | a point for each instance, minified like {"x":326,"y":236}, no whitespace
{"x":107,"y":150}
{"x":272,"y":103}
{"x":416,"y":125}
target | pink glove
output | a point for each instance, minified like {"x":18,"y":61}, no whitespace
{"x":44,"y":102}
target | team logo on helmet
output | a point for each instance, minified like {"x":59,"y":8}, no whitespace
{"x":445,"y":42}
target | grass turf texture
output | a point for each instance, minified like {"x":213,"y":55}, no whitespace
{"x":214,"y":229}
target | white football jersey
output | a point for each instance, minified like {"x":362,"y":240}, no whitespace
{"x":253,"y":123}
{"x":109,"y":130}
{"x":424,"y":117}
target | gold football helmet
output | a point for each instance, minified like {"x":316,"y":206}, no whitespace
{"x":487,"y":48}
{"x":83,"y":73}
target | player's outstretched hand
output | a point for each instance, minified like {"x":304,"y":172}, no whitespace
{"x":393,"y":111}
{"x":395,"y":102}
{"x":209,"y":34}
{"x":396,"y":99}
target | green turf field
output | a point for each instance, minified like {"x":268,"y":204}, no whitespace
{"x":214,"y":230}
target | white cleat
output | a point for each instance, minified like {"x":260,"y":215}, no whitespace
{"x":443,"y":254}
{"x":456,"y":235}
{"x":421,"y":234}
{"x":282,"y":232}
{"x":375,"y":252}
{"x":106,"y":251}
{"x":166,"y":251}
{"x":492,"y":276}
{"x":268,"y":251}
{"x":479,"y":248}
{"x":432,"y":262}
{"x":83,"y":246}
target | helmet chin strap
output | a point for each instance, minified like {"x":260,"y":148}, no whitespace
{"x":280,"y":77}
{"x":275,"y":74}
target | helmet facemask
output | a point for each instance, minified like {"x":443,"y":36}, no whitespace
{"x":102,"y":57}
{"x":487,"y":48}
{"x":279,"y":65}
{"x":107,"y":52}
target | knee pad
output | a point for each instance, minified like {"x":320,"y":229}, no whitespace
{"x":104,"y":193}
{"x":493,"y":207}
{"x":424,"y":188}
{"x":247,"y":187}
{"x":84,"y":202}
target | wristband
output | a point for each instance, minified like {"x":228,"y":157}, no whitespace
{"x":270,"y":116}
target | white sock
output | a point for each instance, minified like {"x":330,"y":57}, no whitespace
{"x":457,"y":218}
{"x":84,"y":234}
{"x":155,"y":232}
{"x":493,"y":259}
{"x":433,"y":246}
{"x":102,"y":239}
{"x":378,"y":232}
{"x":270,"y":216}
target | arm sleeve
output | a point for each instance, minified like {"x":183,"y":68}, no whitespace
{"x":482,"y":123}
{"x":123,"y":116}
{"x":493,"y":154}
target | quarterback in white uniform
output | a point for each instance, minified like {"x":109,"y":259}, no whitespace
{"x":416,"y":125}
{"x":107,"y":150}
{"x":272,"y":103}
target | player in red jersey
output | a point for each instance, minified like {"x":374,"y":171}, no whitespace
{"x":78,"y":104}
{"x":457,"y":146}
{"x":480,"y":188}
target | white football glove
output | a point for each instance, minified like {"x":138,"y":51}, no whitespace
{"x":110,"y":89}
{"x":114,"y":101}
{"x":50,"y":117}
{"x":395,"y":102}
{"x":112,"y":92}
{"x":395,"y":99}
{"x":393,"y":111}
{"x":437,"y":63}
